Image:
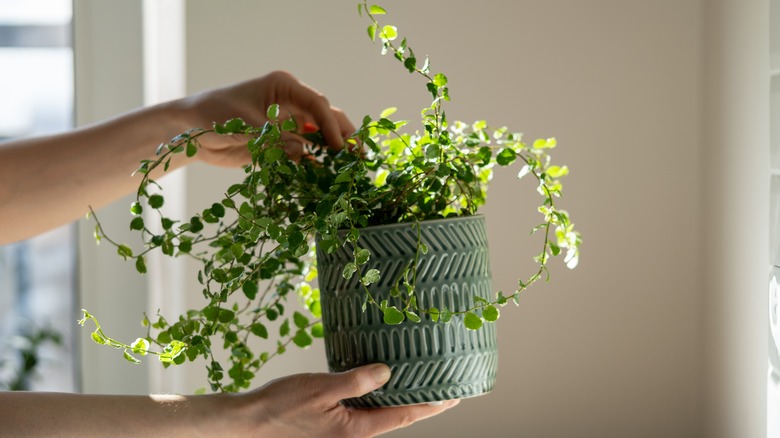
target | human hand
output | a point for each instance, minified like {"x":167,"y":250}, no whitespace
{"x":307,"y":405}
{"x":249,"y":101}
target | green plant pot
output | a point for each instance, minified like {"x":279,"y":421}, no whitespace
{"x":430,"y":361}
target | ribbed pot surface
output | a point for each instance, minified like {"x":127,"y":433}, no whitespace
{"x":429,"y":361}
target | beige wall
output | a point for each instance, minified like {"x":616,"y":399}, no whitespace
{"x":609,"y":350}
{"x":658,"y":333}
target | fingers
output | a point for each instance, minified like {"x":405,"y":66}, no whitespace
{"x":333,"y":122}
{"x":346,"y":128}
{"x":376,"y":421}
{"x":354,"y":383}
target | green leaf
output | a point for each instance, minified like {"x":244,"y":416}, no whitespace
{"x":136,"y":208}
{"x":372,"y":32}
{"x":227,"y":202}
{"x":273,"y":112}
{"x":393,"y":316}
{"x":140,"y":346}
{"x":124,"y":251}
{"x":343,"y":177}
{"x":490,"y":313}
{"x":485,"y":153}
{"x":349,"y":271}
{"x":98,"y":338}
{"x":235,"y":125}
{"x":284,"y":329}
{"x":411,"y":316}
{"x":505,"y":157}
{"x":272,"y":155}
{"x":219,"y":275}
{"x":166,"y":223}
{"x":140,"y":265}
{"x":289,"y":125}
{"x":211,"y":313}
{"x":372,"y":276}
{"x":172,"y":351}
{"x":156,"y":201}
{"x":294,"y":237}
{"x":192,"y":149}
{"x":283,"y":168}
{"x":250,"y":289}
{"x":557,"y":171}
{"x":411,"y":64}
{"x":302,"y":339}
{"x":300,"y":320}
{"x":472,"y":321}
{"x":387,"y":112}
{"x":185,"y":245}
{"x":130,"y":358}
{"x":317,"y":330}
{"x":137,"y":223}
{"x":217,"y":209}
{"x":259,"y":330}
{"x":377,"y":10}
{"x":432,"y":151}
{"x":362,"y":256}
{"x":196,"y":224}
{"x":226,"y":316}
{"x":440,"y":80}
{"x":389,"y":33}
{"x":542,"y":143}
{"x":386,"y":124}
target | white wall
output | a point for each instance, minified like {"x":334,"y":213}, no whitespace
{"x":108,"y":60}
{"x":736,"y":222}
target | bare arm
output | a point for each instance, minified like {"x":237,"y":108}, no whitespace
{"x":299,"y":406}
{"x":49,"y":181}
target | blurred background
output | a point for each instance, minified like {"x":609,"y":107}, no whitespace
{"x":662,"y":112}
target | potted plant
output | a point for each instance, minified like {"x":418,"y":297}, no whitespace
{"x":399,"y":273}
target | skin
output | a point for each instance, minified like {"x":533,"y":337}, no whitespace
{"x":303,"y":405}
{"x":49,"y":181}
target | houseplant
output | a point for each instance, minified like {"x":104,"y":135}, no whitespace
{"x":255,"y":243}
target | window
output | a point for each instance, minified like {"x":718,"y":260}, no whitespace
{"x":37,"y":276}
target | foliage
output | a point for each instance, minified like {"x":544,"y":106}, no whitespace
{"x":27,"y":346}
{"x":255,"y":244}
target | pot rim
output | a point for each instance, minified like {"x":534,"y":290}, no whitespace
{"x":477,"y":216}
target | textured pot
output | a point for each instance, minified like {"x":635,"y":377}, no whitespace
{"x":429,"y":361}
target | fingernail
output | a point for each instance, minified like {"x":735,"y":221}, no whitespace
{"x":451,"y":403}
{"x":380,"y":372}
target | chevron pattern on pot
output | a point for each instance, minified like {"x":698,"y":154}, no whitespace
{"x":430,"y":361}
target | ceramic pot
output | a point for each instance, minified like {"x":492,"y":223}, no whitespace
{"x":430,"y":361}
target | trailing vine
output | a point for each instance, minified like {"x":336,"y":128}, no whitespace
{"x":254,"y":246}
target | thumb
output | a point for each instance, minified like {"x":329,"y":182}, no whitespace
{"x":356,"y":382}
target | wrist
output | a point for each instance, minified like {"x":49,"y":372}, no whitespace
{"x":218,"y":415}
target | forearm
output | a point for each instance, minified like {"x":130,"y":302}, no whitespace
{"x":49,"y":181}
{"x":24,"y":414}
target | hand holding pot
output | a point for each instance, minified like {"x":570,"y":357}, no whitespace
{"x":307,"y":405}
